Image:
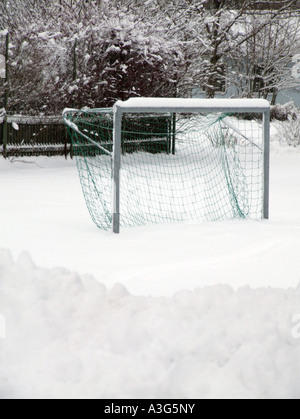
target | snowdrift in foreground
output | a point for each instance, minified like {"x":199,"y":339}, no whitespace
{"x":67,"y":336}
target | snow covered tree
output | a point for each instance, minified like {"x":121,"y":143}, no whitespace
{"x":211,"y":34}
{"x":91,"y":53}
{"x":262,"y":65}
{"x":124,"y":57}
{"x":226,"y":35}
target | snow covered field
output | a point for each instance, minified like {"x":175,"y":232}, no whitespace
{"x":196,"y":310}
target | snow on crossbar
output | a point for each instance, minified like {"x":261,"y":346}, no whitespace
{"x":144,"y":105}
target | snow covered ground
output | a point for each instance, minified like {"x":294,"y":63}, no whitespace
{"x":196,"y":310}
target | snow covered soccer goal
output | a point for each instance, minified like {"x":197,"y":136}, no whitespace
{"x":156,"y":160}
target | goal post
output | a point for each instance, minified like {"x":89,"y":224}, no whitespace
{"x":266,"y":175}
{"x":117,"y":134}
{"x":156,"y":160}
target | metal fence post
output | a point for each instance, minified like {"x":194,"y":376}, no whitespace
{"x":173,"y":133}
{"x":6,"y":73}
{"x":5,"y":136}
{"x":6,"y":93}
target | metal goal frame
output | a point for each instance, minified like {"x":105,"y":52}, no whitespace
{"x":177,"y":105}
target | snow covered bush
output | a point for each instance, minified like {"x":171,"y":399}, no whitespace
{"x":284,"y":112}
{"x":288,"y":132}
{"x":66,"y":57}
{"x":121,"y":58}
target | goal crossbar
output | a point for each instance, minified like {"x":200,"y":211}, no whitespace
{"x":178,"y":105}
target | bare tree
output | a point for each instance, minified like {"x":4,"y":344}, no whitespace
{"x":262,"y":65}
{"x":212,"y":34}
{"x":225,"y":39}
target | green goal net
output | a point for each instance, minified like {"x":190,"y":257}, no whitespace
{"x":175,"y":167}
